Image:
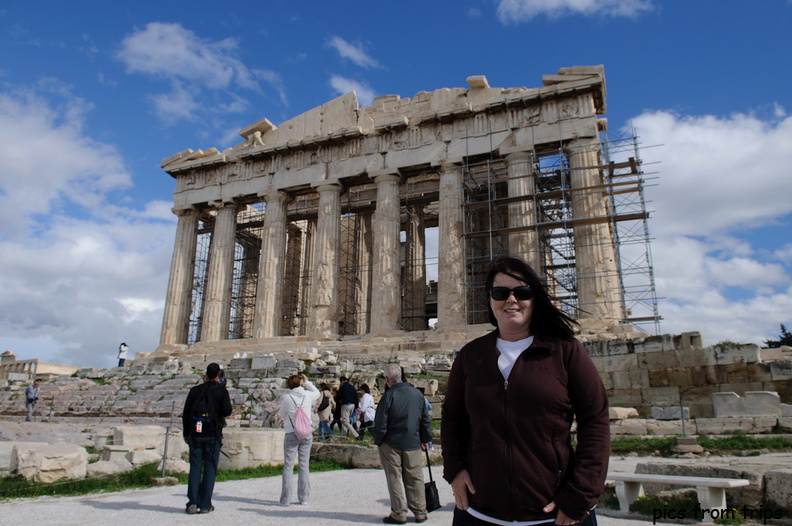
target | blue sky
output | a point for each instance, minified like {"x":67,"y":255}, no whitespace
{"x":93,"y":95}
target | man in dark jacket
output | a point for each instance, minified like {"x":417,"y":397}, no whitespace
{"x":348,"y":399}
{"x":205,"y":410}
{"x":402,"y":429}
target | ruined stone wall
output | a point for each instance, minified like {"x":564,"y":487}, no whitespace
{"x":656,"y":371}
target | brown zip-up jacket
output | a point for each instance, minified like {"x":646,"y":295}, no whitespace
{"x":514,"y":436}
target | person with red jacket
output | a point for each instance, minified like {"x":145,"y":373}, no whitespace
{"x":511,"y":399}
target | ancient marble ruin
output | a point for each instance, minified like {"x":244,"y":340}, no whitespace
{"x":317,"y":229}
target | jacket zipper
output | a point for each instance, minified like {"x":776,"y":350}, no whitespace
{"x":507,"y":440}
{"x":559,"y":473}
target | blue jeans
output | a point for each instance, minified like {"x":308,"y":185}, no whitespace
{"x":463,"y":518}
{"x":324,"y":429}
{"x":204,"y":456}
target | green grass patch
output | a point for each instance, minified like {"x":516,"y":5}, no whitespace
{"x":727,"y":445}
{"x":642,"y":446}
{"x":142,"y":477}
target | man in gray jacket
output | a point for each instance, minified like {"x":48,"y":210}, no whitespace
{"x":402,"y":429}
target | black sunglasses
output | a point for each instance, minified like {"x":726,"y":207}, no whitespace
{"x":520,"y":293}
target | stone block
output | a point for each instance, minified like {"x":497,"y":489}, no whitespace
{"x":706,"y":375}
{"x":781,"y":371}
{"x":625,"y":362}
{"x":760,"y":372}
{"x":6,"y":451}
{"x":251,"y":447}
{"x":108,"y":467}
{"x":658,"y":360}
{"x":46,"y":464}
{"x":140,"y":457}
{"x":658,"y":378}
{"x":263,"y":362}
{"x":110,"y":453}
{"x":778,"y":490}
{"x":632,"y":426}
{"x":786,"y":410}
{"x":690,"y":340}
{"x":626,"y":397}
{"x":754,"y":403}
{"x":668,"y":427}
{"x":726,"y":354}
{"x":630,"y":379}
{"x":719,"y":426}
{"x":680,"y":376}
{"x":664,"y":342}
{"x":146,"y":437}
{"x":771,"y":355}
{"x":661,"y":396}
{"x":622,"y":413}
{"x":176,"y":465}
{"x":696,"y":357}
{"x":670,"y":413}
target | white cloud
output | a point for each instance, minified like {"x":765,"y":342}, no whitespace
{"x":78,"y":274}
{"x":30,"y":183}
{"x":721,"y":180}
{"x":364,"y":92}
{"x":718,"y":174}
{"x":191,"y":65}
{"x":515,"y":11}
{"x":353,"y":52}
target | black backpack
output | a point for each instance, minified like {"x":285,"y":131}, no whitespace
{"x":204,"y":412}
{"x":324,"y":403}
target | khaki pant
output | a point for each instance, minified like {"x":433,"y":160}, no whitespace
{"x":346,"y":427}
{"x":404,"y":471}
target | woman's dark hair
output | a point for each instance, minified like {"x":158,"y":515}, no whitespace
{"x":365,"y":388}
{"x":294,"y":381}
{"x":323,"y":387}
{"x":546,"y":319}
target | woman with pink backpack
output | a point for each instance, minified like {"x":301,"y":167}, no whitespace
{"x":295,"y":410}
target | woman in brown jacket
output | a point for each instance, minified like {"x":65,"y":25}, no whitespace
{"x":511,"y":398}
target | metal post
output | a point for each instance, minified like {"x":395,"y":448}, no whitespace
{"x":682,"y":414}
{"x":167,"y":433}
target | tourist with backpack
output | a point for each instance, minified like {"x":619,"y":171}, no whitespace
{"x":205,"y":410}
{"x":295,"y":410}
{"x":325,"y":411}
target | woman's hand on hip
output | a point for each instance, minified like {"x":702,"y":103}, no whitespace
{"x":561,"y":518}
{"x":461,"y":485}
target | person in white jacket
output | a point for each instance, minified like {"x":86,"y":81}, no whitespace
{"x":366,"y":410}
{"x":302,"y":394}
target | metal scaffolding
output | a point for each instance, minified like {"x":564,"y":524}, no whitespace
{"x":490,"y":228}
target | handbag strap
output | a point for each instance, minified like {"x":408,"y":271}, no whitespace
{"x":429,"y":465}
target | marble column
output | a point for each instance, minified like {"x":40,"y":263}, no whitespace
{"x":415,"y":270}
{"x":451,"y":264}
{"x":523,"y":244}
{"x":365,"y":248}
{"x":596,"y":269}
{"x":219,"y":276}
{"x":178,"y":300}
{"x":272,"y":266}
{"x":323,"y":321}
{"x":386,"y":277}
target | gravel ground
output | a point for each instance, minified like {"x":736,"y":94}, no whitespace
{"x":340,"y":497}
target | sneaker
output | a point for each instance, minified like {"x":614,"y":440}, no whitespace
{"x":391,"y":520}
{"x":192,"y":509}
{"x":419,"y":520}
{"x":210,"y":508}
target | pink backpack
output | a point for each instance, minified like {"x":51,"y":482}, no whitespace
{"x":301,"y":424}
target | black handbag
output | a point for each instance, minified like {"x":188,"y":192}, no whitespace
{"x":432,"y":497}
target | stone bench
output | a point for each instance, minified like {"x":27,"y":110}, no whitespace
{"x":711,"y":491}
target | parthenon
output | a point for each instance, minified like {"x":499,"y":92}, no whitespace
{"x":319,"y":228}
